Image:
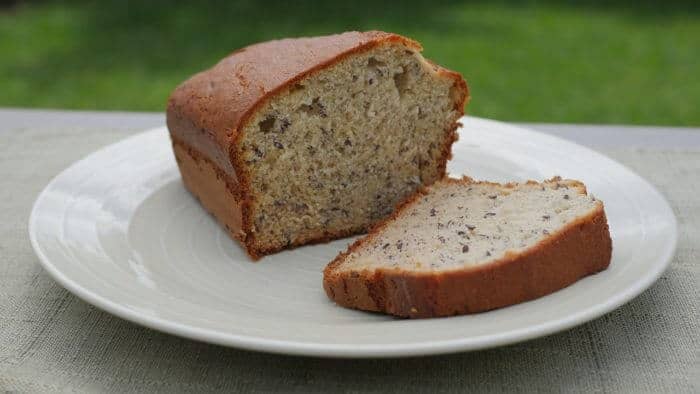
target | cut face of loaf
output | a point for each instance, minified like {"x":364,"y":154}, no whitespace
{"x":463,"y":246}
{"x":340,"y":149}
{"x":360,"y":122}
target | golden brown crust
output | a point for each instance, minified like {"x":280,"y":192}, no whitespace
{"x":581,"y":248}
{"x":207,"y":113}
{"x":215,"y":190}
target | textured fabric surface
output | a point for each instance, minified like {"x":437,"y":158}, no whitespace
{"x":50,"y":341}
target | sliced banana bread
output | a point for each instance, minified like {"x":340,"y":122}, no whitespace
{"x":303,"y":140}
{"x":462,"y":246}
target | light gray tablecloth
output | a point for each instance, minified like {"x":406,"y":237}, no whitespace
{"x":52,"y":341}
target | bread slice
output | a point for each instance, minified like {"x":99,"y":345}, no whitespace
{"x":462,"y":246}
{"x":303,"y":140}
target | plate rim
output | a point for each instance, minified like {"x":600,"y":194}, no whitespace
{"x":300,"y":348}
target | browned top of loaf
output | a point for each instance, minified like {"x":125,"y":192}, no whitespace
{"x":216,"y":103}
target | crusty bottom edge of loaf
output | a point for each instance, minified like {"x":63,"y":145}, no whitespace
{"x":210,"y":185}
{"x":580,"y":249}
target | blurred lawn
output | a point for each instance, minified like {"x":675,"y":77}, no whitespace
{"x":623,"y":62}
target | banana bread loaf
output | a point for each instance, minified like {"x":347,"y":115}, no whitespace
{"x":304,"y":140}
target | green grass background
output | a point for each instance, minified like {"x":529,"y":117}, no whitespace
{"x":579,"y":62}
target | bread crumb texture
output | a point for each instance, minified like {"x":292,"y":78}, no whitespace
{"x":340,"y":148}
{"x":455,"y":225}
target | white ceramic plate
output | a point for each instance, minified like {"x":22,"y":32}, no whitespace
{"x":119,"y":230}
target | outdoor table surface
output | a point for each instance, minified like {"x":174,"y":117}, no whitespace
{"x":52,"y":341}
